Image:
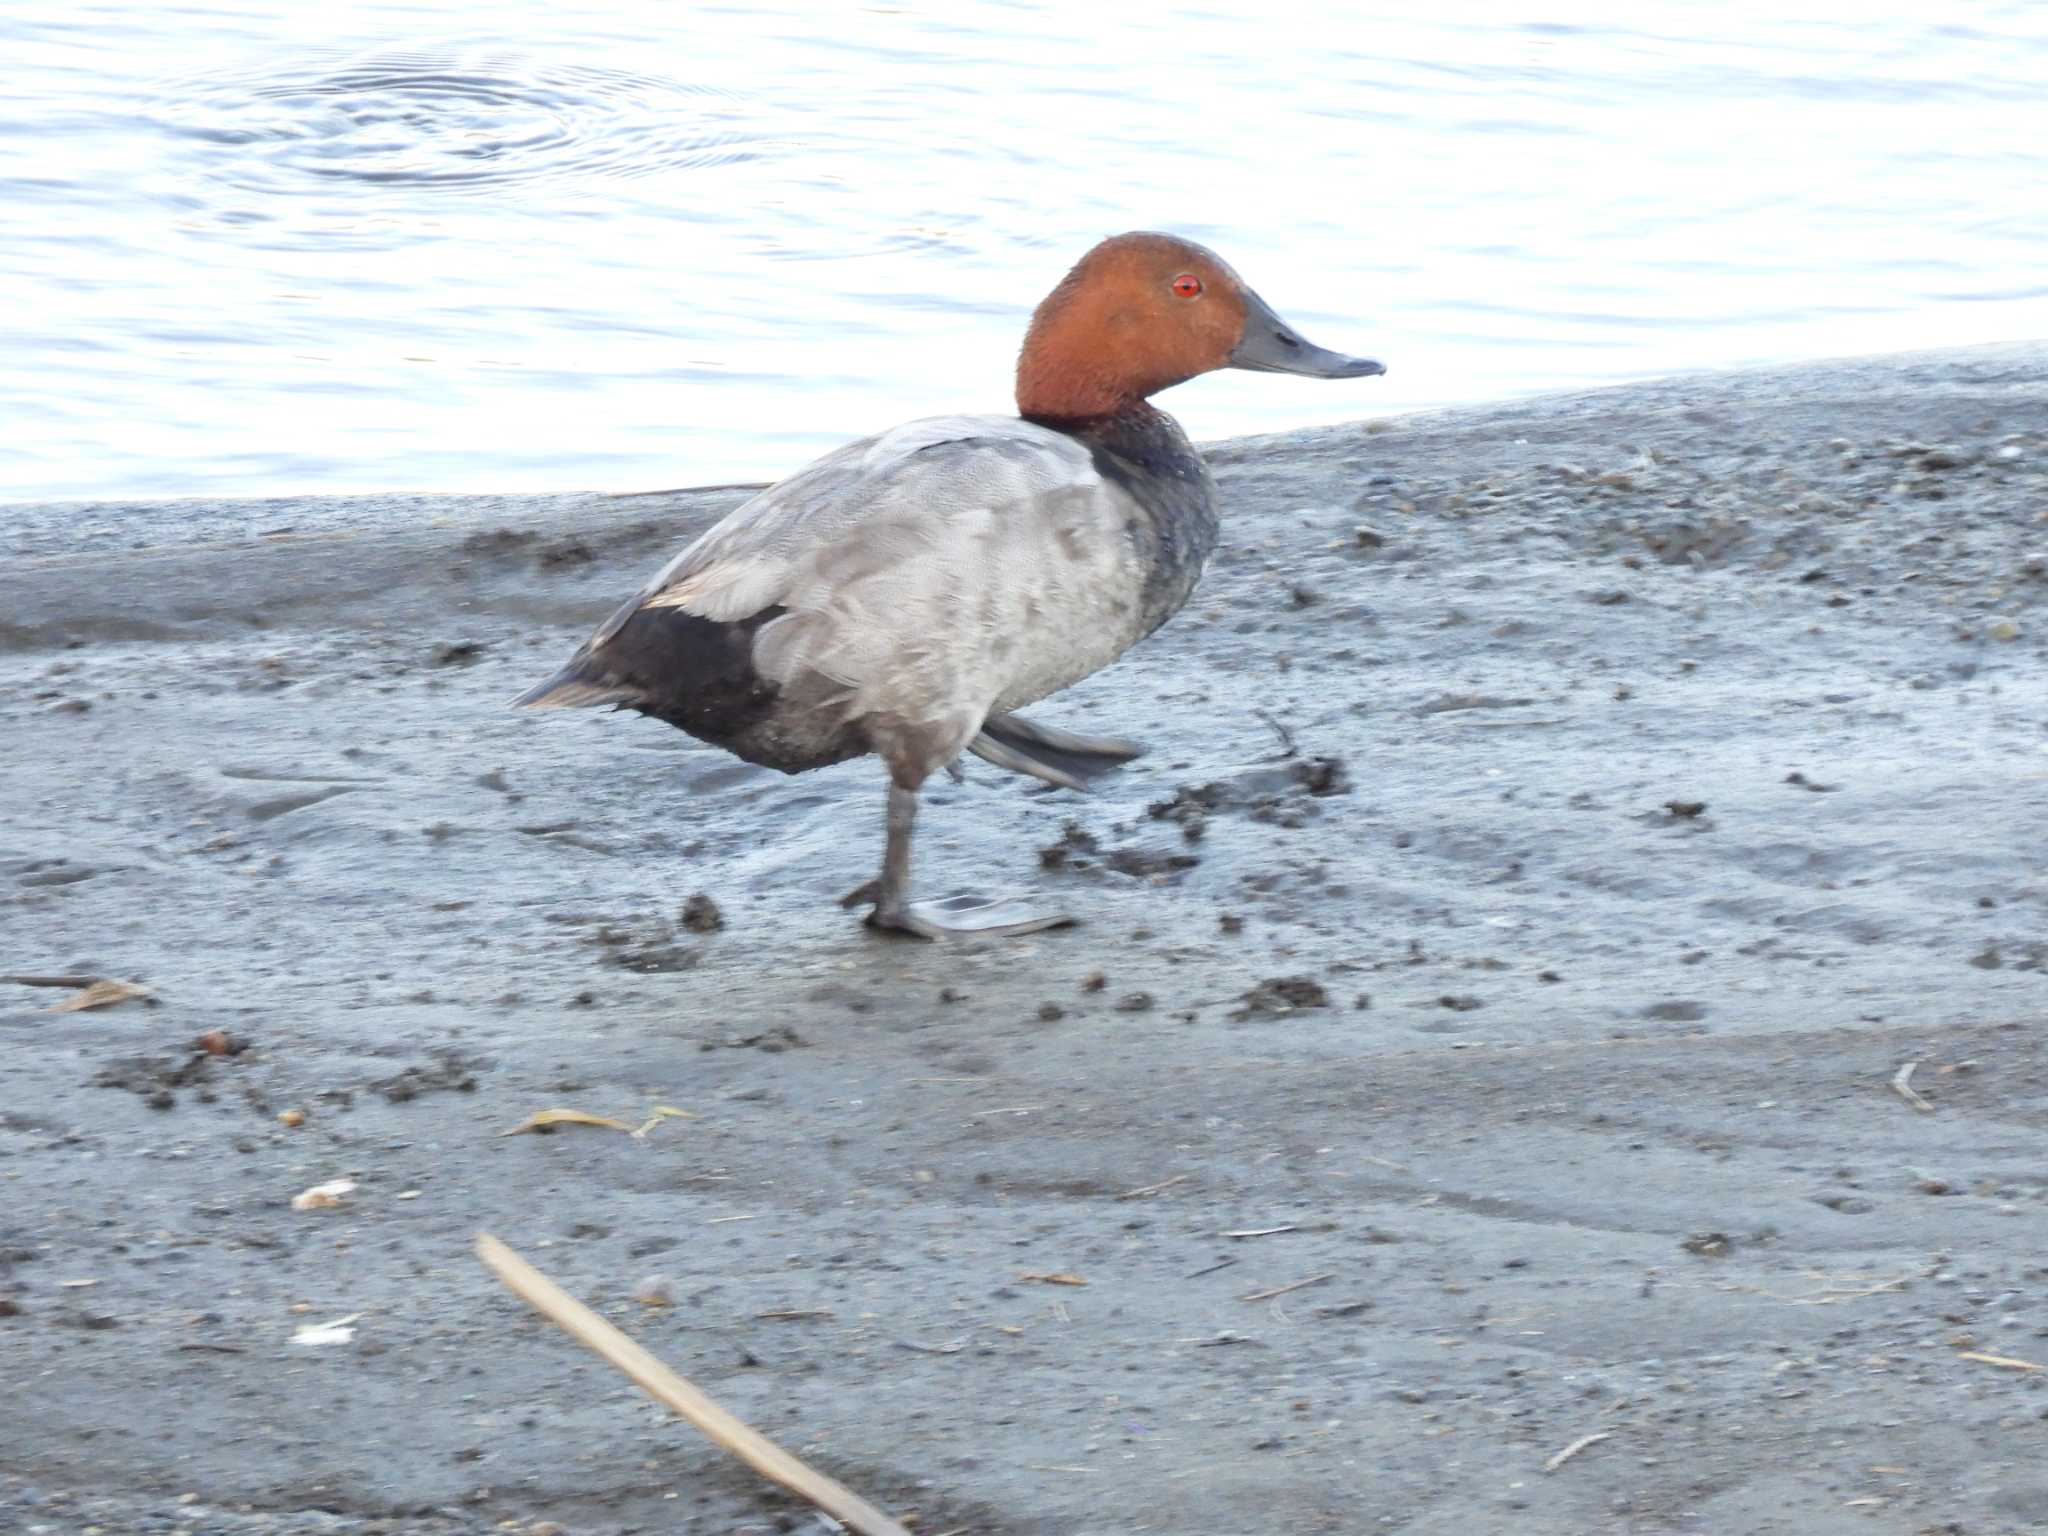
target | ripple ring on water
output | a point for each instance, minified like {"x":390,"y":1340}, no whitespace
{"x":444,"y":121}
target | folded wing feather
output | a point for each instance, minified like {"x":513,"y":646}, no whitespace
{"x":909,"y":563}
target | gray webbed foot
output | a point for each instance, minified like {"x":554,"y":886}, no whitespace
{"x":1058,"y":757}
{"x":955,"y":916}
{"x":967,"y":916}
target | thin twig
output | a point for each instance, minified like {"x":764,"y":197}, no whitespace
{"x":1902,"y":1085}
{"x":50,"y":981}
{"x":951,"y":1347}
{"x":1830,"y":1296}
{"x":1575,"y":1447}
{"x":1282,"y":1290}
{"x":1153,"y":1189}
{"x":664,"y":1385}
{"x":1286,"y":736}
{"x":2005,"y":1360}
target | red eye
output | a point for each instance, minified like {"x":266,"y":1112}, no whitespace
{"x":1187,"y":285}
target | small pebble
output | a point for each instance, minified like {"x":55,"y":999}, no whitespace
{"x":655,"y":1291}
{"x":294,"y":1118}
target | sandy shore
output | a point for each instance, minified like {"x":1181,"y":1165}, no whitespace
{"x":1563,"y":822}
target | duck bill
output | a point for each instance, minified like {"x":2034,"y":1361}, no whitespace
{"x":1270,"y":345}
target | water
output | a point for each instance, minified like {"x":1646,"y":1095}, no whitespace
{"x":260,"y":246}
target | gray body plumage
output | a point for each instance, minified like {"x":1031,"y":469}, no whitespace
{"x":902,"y":590}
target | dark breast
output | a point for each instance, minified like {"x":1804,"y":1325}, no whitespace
{"x":1145,"y":454}
{"x":698,"y":676}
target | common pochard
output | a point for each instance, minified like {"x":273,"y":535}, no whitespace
{"x":908,"y":593}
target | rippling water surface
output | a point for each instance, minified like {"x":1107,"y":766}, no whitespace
{"x":252,"y":246}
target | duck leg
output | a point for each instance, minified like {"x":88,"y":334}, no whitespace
{"x":955,"y":915}
{"x":1057,"y":757}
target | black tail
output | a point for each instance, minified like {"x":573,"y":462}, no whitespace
{"x":583,"y":684}
{"x":697,"y":674}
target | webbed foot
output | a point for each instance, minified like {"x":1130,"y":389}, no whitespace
{"x":968,"y":916}
{"x":1057,"y":757}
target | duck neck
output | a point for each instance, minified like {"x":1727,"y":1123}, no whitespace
{"x":1169,"y":493}
{"x":1120,"y":420}
{"x":1082,"y":362}
{"x":1065,"y":398}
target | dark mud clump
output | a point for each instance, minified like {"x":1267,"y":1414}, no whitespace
{"x":649,"y":948}
{"x":498,"y":542}
{"x":1283,"y":794}
{"x":155,"y":1079}
{"x":1079,"y":850}
{"x":1074,"y":848}
{"x":1143,"y":864}
{"x":565,"y":552}
{"x":773,"y":1041}
{"x":448,"y":1072}
{"x":701,"y":914}
{"x":1282,"y":995}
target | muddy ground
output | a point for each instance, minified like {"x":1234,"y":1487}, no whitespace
{"x":1564,"y":821}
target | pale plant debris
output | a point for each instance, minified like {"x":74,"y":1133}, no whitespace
{"x":2006,"y":1362}
{"x":323,"y":1196}
{"x":950,"y":1347}
{"x":1575,"y":1447}
{"x":725,"y":1431}
{"x":104,"y":993}
{"x":1282,"y":1290}
{"x":1833,"y":1294}
{"x":1902,"y":1085}
{"x":1152,"y":1189}
{"x":340,"y":1331}
{"x":1051,"y":1277}
{"x":656,"y":1115}
{"x":543,"y":1119}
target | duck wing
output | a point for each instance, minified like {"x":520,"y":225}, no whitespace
{"x":924,"y":574}
{"x":894,"y":495}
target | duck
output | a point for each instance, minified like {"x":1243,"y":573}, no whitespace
{"x":907,"y":594}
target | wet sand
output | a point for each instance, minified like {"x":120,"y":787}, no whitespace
{"x":1563,"y":822}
